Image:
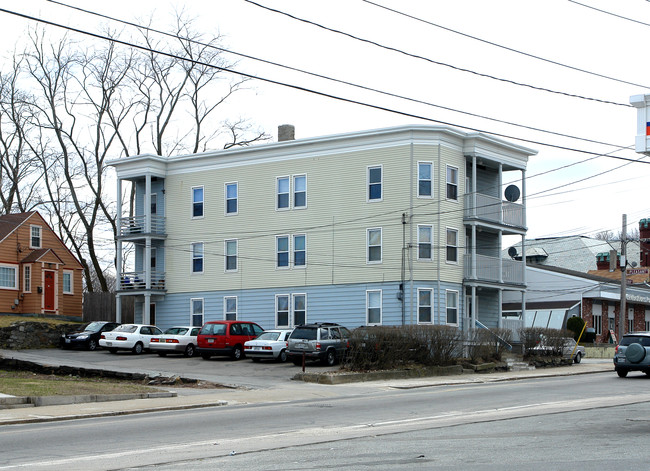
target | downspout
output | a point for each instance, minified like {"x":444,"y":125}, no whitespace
{"x":438,"y":232}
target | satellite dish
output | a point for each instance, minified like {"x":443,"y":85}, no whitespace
{"x":512,"y":252}
{"x":512,"y":193}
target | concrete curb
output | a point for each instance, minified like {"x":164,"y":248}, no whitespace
{"x":40,"y":401}
{"x":355,"y":377}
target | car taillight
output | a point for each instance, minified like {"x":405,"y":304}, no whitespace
{"x":154,"y":340}
{"x":172,"y":340}
{"x":247,"y":347}
{"x":267,"y":348}
{"x":318,"y":346}
{"x":120,"y":338}
{"x":102,"y":337}
{"x":616,"y":350}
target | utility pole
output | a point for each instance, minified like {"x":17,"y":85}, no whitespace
{"x":623,"y":306}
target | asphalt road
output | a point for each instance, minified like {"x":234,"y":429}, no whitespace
{"x":539,"y":422}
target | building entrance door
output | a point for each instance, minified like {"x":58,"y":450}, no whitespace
{"x":49,"y":292}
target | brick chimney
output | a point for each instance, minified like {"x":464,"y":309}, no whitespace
{"x":286,"y":132}
{"x":644,"y":233}
{"x":602,"y":261}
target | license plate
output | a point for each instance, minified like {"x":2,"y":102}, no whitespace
{"x":109,"y":343}
{"x":301,"y":346}
{"x":257,"y":348}
{"x":67,"y":340}
{"x":210,"y":340}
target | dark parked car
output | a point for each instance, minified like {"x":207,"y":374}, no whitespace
{"x":87,"y":336}
{"x":324,"y":341}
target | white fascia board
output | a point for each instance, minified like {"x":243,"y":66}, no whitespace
{"x":512,"y":156}
{"x":138,"y":165}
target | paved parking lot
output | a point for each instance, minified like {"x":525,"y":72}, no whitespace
{"x":222,"y":370}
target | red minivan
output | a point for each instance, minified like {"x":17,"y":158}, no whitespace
{"x":225,"y":338}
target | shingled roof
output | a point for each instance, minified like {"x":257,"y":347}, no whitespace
{"x":11,"y":222}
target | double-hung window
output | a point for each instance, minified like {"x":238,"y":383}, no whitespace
{"x":282,"y":251}
{"x":230,"y":249}
{"x":647,"y":320}
{"x":27,"y":278}
{"x":300,"y":191}
{"x":299,"y":309}
{"x":67,"y":282}
{"x":8,"y":276}
{"x":154,"y":204}
{"x":197,"y":257}
{"x":425,"y":297}
{"x":374,"y":245}
{"x":375,"y":183}
{"x":282,"y":310}
{"x":196,"y":311}
{"x":299,"y":250}
{"x":425,"y":242}
{"x":452,"y":245}
{"x":630,"y":319}
{"x":35,"y":239}
{"x":197,"y":202}
{"x":373,"y":307}
{"x":452,"y":307}
{"x":282,"y":200}
{"x":597,"y":311}
{"x":452,"y":183}
{"x":230,"y":308}
{"x":425,"y":179}
{"x":231,"y":198}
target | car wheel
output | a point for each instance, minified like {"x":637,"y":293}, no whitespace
{"x":255,"y":360}
{"x":577,"y":358}
{"x":330,"y":358}
{"x":92,"y":345}
{"x":162,"y":354}
{"x":112,"y":350}
{"x":621,"y":373}
{"x":236,"y":353}
{"x":137,"y":348}
{"x":635,"y":353}
{"x":189,"y":351}
{"x":205,"y":356}
{"x":282,"y":357}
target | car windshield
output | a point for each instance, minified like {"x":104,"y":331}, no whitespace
{"x":213,"y":329}
{"x":304,"y":333}
{"x":630,"y":339}
{"x":176,"y":331}
{"x":126,"y":328}
{"x":94,"y":327}
{"x":269,"y":336}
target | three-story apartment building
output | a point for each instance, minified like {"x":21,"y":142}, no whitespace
{"x":383,"y":227}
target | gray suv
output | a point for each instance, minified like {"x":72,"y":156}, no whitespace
{"x":322,"y":341}
{"x":633,"y":354}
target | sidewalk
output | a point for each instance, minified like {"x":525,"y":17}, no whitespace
{"x":290,"y":390}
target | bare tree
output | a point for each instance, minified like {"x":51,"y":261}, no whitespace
{"x":605,"y":235}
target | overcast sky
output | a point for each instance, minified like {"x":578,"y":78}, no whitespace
{"x":581,"y":199}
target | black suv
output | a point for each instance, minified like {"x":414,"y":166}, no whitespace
{"x":322,"y":341}
{"x":633,"y":354}
{"x":87,"y":336}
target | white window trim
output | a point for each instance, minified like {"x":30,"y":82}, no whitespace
{"x":225,"y":255}
{"x":430,"y":226}
{"x":71,"y":273}
{"x":288,"y":296}
{"x":430,"y":290}
{"x":451,"y":262}
{"x":447,"y":291}
{"x":277,"y":192}
{"x":225,"y":307}
{"x":381,"y":183}
{"x":457,"y":183}
{"x":293,"y":191}
{"x":25,"y":268}
{"x":192,"y":202}
{"x":16,"y":269}
{"x":292,"y":314}
{"x":381,"y":306}
{"x":293,"y":252}
{"x":40,"y":236}
{"x":192,"y":310}
{"x":418,"y":179}
{"x":381,"y":246}
{"x":192,"y":272}
{"x":225,"y":199}
{"x":276,"y":251}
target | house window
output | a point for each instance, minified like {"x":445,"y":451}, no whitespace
{"x":452,"y":183}
{"x":231,"y":198}
{"x":374,"y":245}
{"x":373,"y":307}
{"x":154,"y":203}
{"x":196,"y":309}
{"x":597,"y":312}
{"x":27,"y":278}
{"x":153,"y":258}
{"x":452,"y":307}
{"x":647,"y":320}
{"x":282,"y":193}
{"x":282,"y":251}
{"x":299,"y":309}
{"x":35,"y":240}
{"x":197,"y":202}
{"x":425,"y":239}
{"x":375,"y":183}
{"x":282,"y":310}
{"x":67,"y":282}
{"x":299,"y":252}
{"x":424,"y":306}
{"x":452,"y":246}
{"x":8,"y":276}
{"x":425,"y":180}
{"x":197,"y":257}
{"x":299,"y":191}
{"x":231,"y":255}
{"x":630,"y":319}
{"x":230,"y":308}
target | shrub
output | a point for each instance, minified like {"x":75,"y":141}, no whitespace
{"x":575,"y":325}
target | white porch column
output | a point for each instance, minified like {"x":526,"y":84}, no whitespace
{"x":118,"y":308}
{"x":147,"y":204}
{"x":474,"y":313}
{"x":146,"y":309}
{"x":118,"y":255}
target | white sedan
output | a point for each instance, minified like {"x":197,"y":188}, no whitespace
{"x":271,"y":344}
{"x":179,"y":339}
{"x":134,"y":337}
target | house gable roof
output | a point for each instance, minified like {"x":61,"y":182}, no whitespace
{"x":10,"y":222}
{"x":43,"y":255}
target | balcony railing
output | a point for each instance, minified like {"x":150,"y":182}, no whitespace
{"x":138,"y":281}
{"x":134,"y":225}
{"x":494,"y":269}
{"x":493,"y":209}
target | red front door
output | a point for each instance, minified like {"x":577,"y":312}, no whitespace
{"x":48,"y":292}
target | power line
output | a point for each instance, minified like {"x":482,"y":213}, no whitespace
{"x":416,"y":56}
{"x":611,"y":14}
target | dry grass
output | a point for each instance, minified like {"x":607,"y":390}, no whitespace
{"x":6,"y":321}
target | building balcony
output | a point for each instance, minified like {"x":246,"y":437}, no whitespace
{"x":137,"y":281}
{"x":135,"y":226}
{"x":494,"y":210}
{"x":494,"y":270}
